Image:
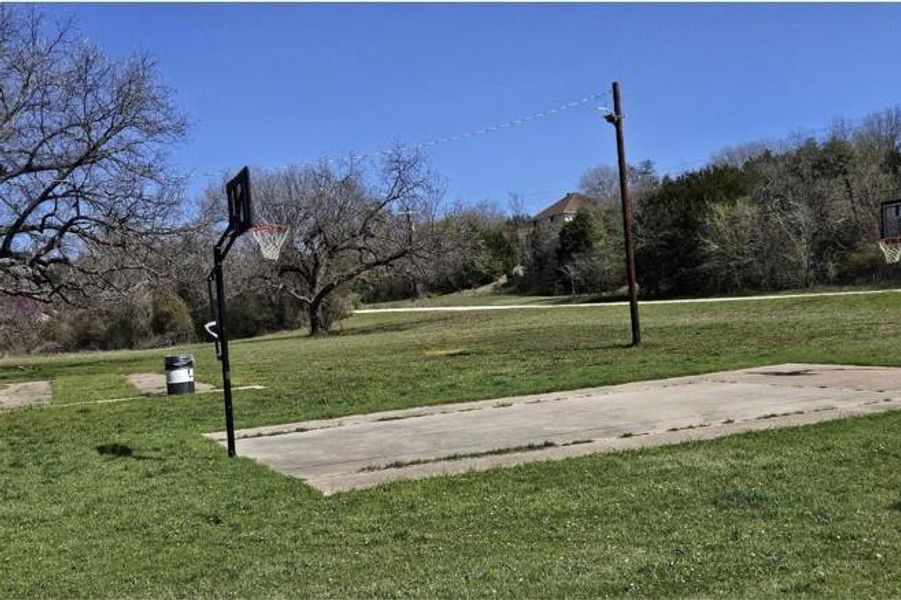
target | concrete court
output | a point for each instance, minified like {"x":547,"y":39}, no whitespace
{"x":363,"y":451}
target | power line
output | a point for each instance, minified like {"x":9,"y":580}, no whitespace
{"x":512,"y":123}
{"x":516,"y":122}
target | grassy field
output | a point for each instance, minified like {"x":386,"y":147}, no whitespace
{"x":458,"y":299}
{"x":129,"y":499}
{"x":490,"y":296}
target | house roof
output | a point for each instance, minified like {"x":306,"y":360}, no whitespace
{"x":567,"y":205}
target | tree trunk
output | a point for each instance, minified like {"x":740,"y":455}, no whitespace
{"x":318,"y":326}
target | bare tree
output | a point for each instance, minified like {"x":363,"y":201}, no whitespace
{"x":882,"y":129}
{"x":345,"y":223}
{"x":83,"y":181}
{"x":574,"y":275}
{"x":738,"y":156}
{"x":516,"y":205}
{"x":601,"y":182}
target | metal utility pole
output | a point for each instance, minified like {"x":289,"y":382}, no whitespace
{"x":616,"y":119}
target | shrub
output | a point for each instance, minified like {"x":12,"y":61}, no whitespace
{"x":21,"y":325}
{"x":256,"y":313}
{"x":338,"y":306}
{"x":127,"y":325}
{"x":171,"y":321}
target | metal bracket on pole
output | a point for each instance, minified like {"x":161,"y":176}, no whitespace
{"x":208,"y":327}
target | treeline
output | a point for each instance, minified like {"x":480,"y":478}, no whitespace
{"x":580,"y":256}
{"x":100,"y":248}
{"x":761,"y":217}
{"x":163,"y":310}
{"x":795,"y":215}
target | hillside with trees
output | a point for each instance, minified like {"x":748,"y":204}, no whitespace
{"x":798,"y":215}
{"x":760,"y":217}
{"x":101,"y":248}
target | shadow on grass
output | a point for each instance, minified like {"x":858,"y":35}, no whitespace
{"x":269,"y":338}
{"x":392,"y":327}
{"x":121,"y":451}
{"x":367,"y":330}
{"x":600,"y":347}
{"x":610,"y":346}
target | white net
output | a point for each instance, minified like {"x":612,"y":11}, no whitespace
{"x":891,"y":248}
{"x":270,"y":238}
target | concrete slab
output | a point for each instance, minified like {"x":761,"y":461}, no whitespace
{"x":366,"y":450}
{"x":874,"y":379}
{"x":155,"y":383}
{"x":29,"y":393}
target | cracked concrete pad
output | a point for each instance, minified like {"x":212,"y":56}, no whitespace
{"x":29,"y":393}
{"x":155,"y":383}
{"x":366,"y":450}
{"x":873,"y":379}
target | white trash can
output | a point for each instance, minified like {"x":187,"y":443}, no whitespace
{"x":180,"y":374}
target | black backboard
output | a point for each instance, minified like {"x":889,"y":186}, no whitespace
{"x":890,"y":219}
{"x":240,"y":210}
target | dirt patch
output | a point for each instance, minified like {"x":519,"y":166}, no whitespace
{"x":29,"y":393}
{"x":154,"y":384}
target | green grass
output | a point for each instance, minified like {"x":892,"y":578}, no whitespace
{"x":130,"y":500}
{"x":464,"y":299}
{"x":490,"y":296}
{"x":89,"y":387}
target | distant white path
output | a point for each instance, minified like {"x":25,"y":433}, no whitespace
{"x":366,"y":311}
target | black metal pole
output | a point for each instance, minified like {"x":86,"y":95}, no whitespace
{"x":617,"y":121}
{"x":222,"y":333}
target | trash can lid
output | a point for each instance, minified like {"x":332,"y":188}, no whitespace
{"x":177,"y":361}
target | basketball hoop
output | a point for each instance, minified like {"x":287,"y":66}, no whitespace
{"x":271,"y":238}
{"x":891,"y":248}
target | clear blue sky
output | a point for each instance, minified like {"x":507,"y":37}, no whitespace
{"x":275,"y":84}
